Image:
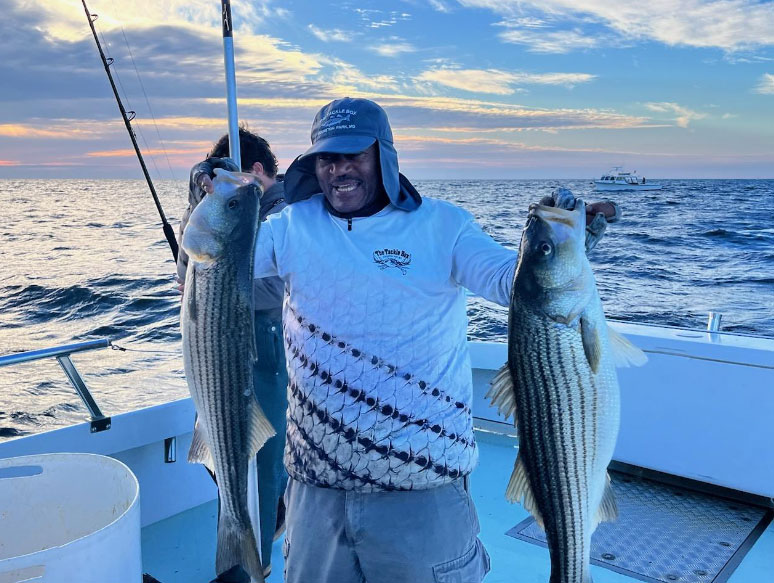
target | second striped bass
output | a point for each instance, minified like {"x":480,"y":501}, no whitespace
{"x":218,"y":355}
{"x":560,"y":385}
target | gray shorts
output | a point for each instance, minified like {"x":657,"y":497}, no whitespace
{"x":422,"y":536}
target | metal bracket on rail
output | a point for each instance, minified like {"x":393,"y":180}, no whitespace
{"x":99,"y":422}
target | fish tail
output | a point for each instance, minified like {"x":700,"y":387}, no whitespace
{"x":237,"y":546}
{"x":557,"y":577}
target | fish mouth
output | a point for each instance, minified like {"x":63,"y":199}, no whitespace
{"x":553,"y":214}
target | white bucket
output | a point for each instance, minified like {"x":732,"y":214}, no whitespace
{"x":67,"y":518}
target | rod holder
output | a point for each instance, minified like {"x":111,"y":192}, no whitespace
{"x":170,"y":450}
{"x":713,"y":321}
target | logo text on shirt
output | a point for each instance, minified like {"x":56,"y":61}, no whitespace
{"x":392,"y":258}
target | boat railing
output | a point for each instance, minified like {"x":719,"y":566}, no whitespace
{"x":99,"y":422}
{"x":713,"y":327}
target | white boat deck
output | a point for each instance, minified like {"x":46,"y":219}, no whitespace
{"x":700,"y":410}
{"x":182,"y":548}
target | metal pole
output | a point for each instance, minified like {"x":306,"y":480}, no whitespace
{"x":231,"y":98}
{"x":169,"y":232}
{"x":98,"y":421}
{"x":65,"y":350}
{"x":713,"y":321}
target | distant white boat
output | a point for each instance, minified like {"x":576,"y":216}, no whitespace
{"x":617,"y":179}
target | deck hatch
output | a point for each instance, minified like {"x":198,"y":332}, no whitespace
{"x":667,"y":533}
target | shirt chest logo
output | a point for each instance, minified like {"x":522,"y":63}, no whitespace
{"x":392,"y":259}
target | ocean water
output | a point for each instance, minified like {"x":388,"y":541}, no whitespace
{"x":84,"y":259}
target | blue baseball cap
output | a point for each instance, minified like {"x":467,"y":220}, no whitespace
{"x":349,"y":126}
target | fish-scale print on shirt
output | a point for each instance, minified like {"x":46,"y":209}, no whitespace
{"x":357,"y":421}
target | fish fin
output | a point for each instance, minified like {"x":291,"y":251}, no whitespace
{"x":592,"y":346}
{"x":199,"y":452}
{"x":502,"y":394}
{"x":260,"y":428}
{"x":237,"y":546}
{"x":624,"y":352}
{"x":608,"y":508}
{"x":520,"y":491}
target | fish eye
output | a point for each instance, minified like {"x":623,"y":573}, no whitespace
{"x":233,"y":203}
{"x":546,"y":248}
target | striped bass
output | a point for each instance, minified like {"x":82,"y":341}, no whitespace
{"x":218,"y":354}
{"x":560,"y":385}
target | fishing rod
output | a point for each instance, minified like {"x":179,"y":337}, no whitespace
{"x":128,"y":116}
{"x":228,"y":59}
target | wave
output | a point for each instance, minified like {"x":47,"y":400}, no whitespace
{"x":660,"y":265}
{"x":12,"y":432}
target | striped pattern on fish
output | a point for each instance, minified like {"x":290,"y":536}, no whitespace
{"x":568,"y":422}
{"x":561,"y":387}
{"x":218,"y":354}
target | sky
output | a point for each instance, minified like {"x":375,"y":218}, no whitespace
{"x":473,"y":88}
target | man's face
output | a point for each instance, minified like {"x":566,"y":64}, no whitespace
{"x":349,"y":181}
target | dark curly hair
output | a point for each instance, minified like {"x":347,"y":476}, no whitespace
{"x":253,"y":148}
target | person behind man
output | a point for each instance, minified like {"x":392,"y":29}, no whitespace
{"x":269,"y":374}
{"x":380,"y":431}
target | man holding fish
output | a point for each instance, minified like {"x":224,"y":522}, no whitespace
{"x":380,"y":438}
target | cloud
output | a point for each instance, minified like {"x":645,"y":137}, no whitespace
{"x":393,"y":47}
{"x":349,"y":79}
{"x":65,"y":19}
{"x":381,"y":18}
{"x":416,"y":142}
{"x":683,"y":115}
{"x":730,"y":25}
{"x":8,"y":130}
{"x":55,"y":129}
{"x":473,"y":80}
{"x":149,"y":152}
{"x":498,"y":82}
{"x":334,"y":34}
{"x":175,"y":60}
{"x":439,"y":6}
{"x":766,"y":84}
{"x":442,"y":112}
{"x":58,"y":106}
{"x":448,"y":114}
{"x":179,"y":63}
{"x":550,"y":42}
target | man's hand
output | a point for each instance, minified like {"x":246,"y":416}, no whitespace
{"x":204,"y":182}
{"x":598,"y":214}
{"x":610,"y":210}
{"x":180,"y":287}
{"x":201,"y":174}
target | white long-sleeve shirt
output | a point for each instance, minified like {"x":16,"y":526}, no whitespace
{"x":375,"y":337}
